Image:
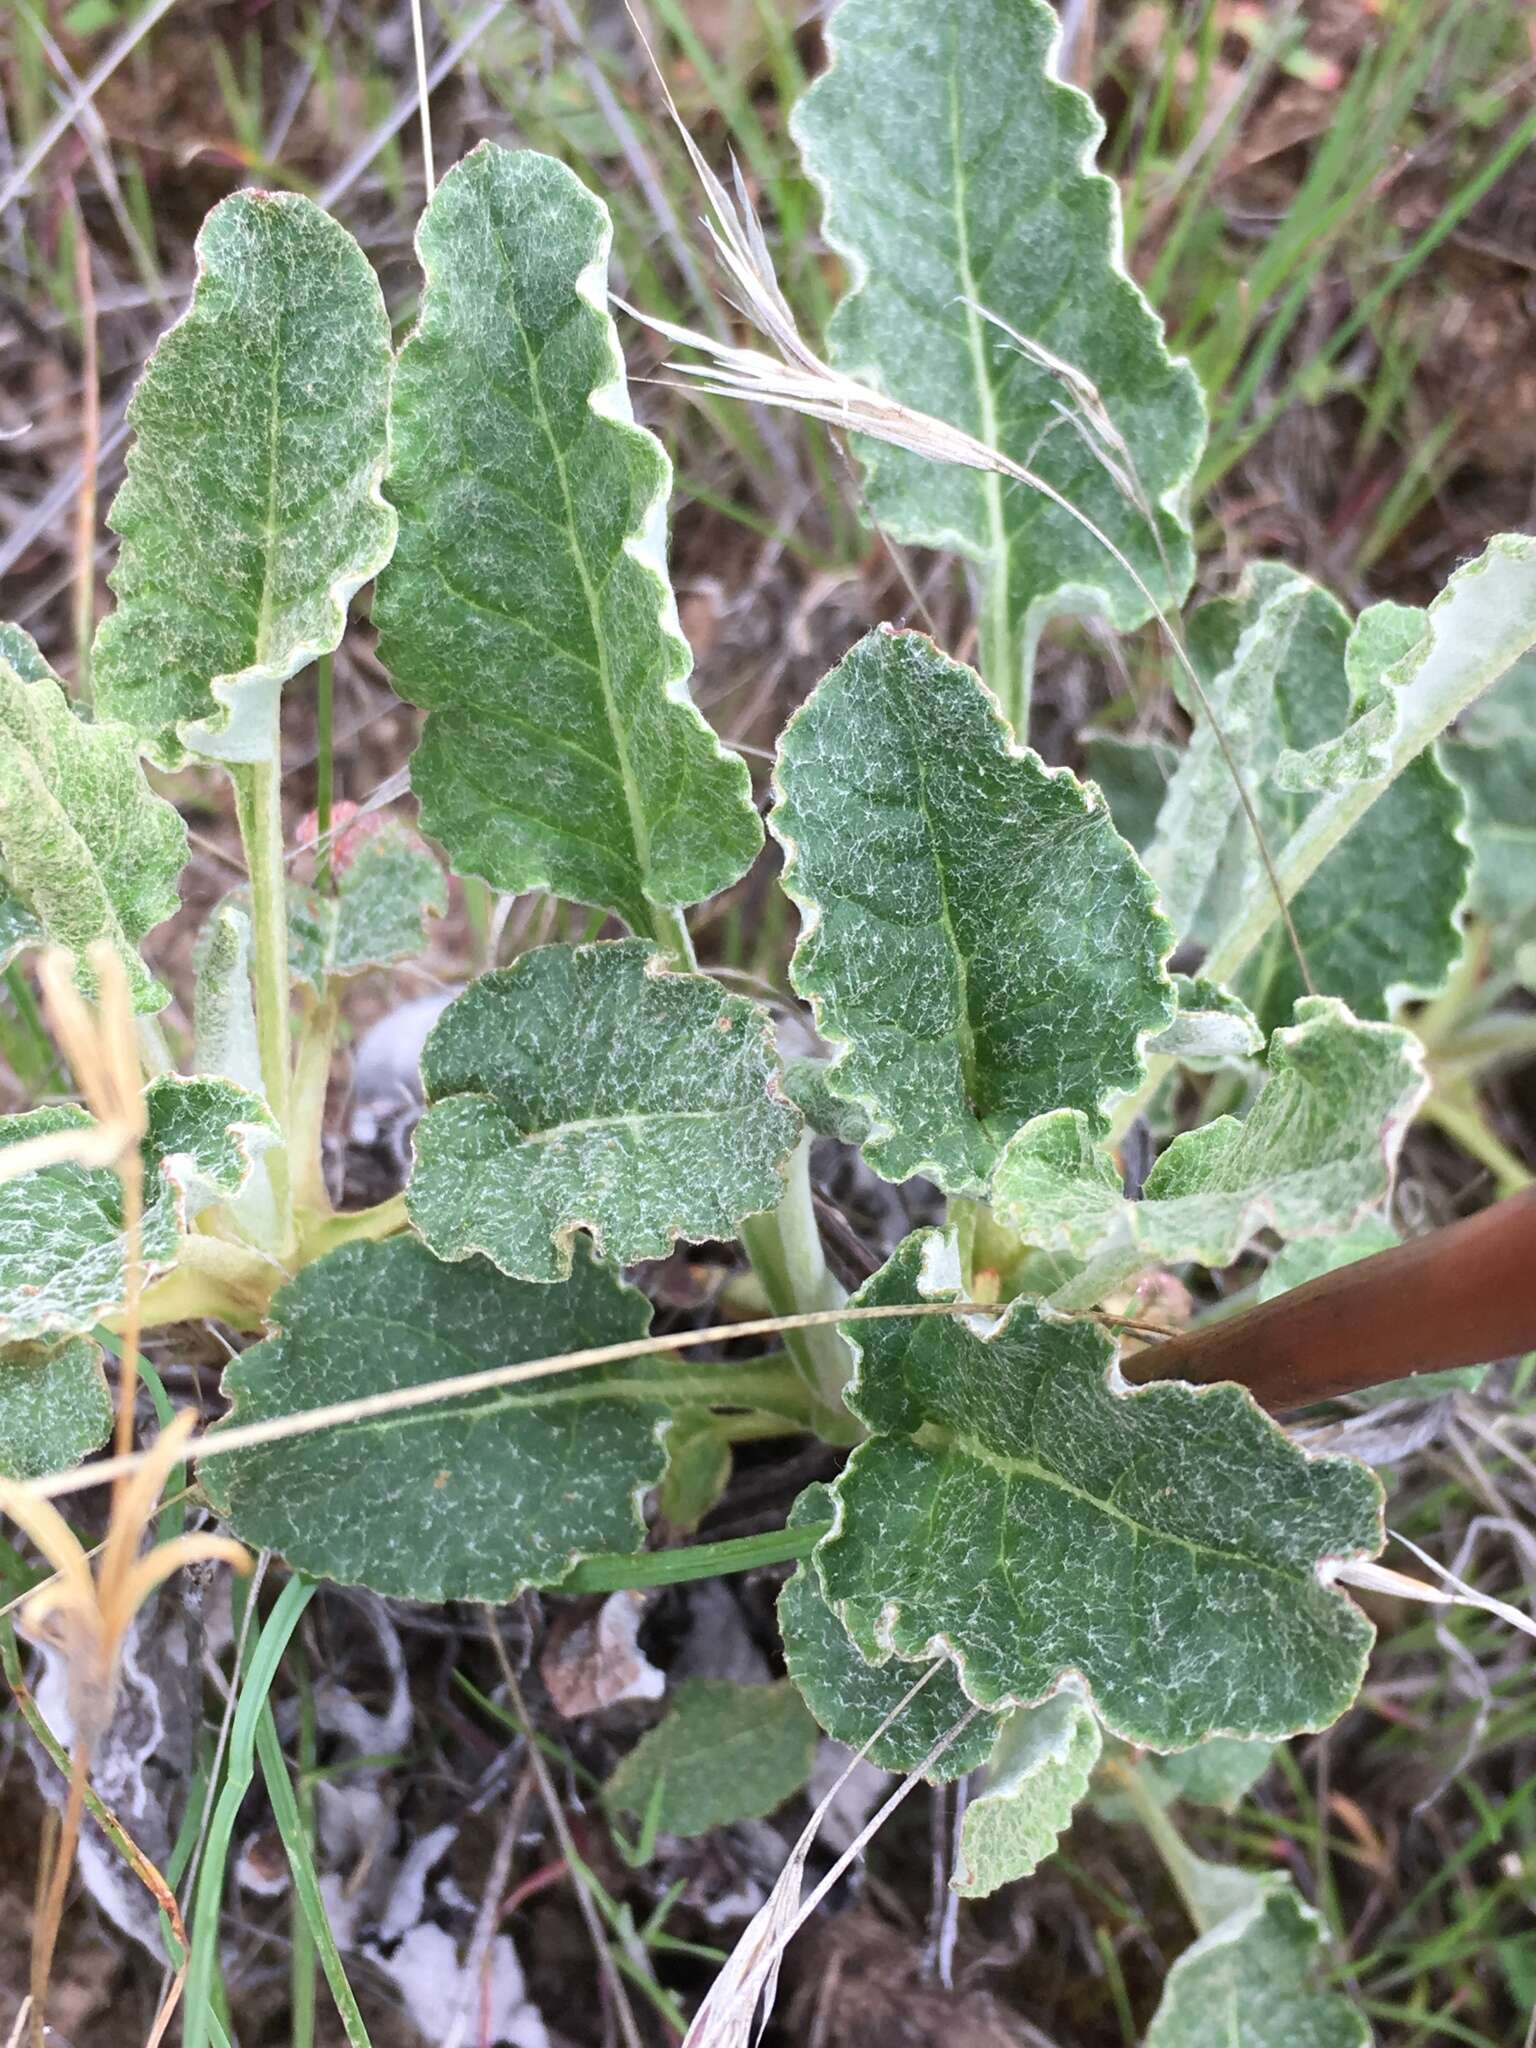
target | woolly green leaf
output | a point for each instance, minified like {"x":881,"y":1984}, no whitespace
{"x":387,"y":885}
{"x":1313,"y":1155}
{"x":528,"y":608}
{"x":62,"y":1251}
{"x":850,"y":1697}
{"x":1476,"y":629}
{"x":1037,"y":1773}
{"x":469,"y":1499}
{"x":724,"y":1753}
{"x":1306,"y":1260}
{"x":1220,"y":1772}
{"x":974,"y":931}
{"x":587,"y":1088}
{"x":1248,"y":1983}
{"x":252,"y":510}
{"x":25,"y":656}
{"x":1271,"y":636}
{"x":1493,"y":757}
{"x":1134,"y":776}
{"x":807,"y":1084}
{"x":54,"y":1407}
{"x":224,"y":1016}
{"x":698,"y":1467}
{"x":956,"y":174}
{"x":224,"y":1013}
{"x":87,"y":853}
{"x":1017,"y":1511}
{"x":1378,"y":920}
{"x":1210,"y":1024}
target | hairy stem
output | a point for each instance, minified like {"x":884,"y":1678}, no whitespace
{"x":670,"y":930}
{"x":1456,"y":1112}
{"x":325,"y":772}
{"x":311,"y":1076}
{"x":352,"y":1226}
{"x":1001,"y":656}
{"x":258,"y":807}
{"x":211,"y":1277}
{"x":1165,"y":1838}
{"x":784,"y":1245}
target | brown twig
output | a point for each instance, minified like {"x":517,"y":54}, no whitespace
{"x":1459,"y":1296}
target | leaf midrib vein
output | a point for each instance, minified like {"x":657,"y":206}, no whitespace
{"x":622,"y":1120}
{"x":632,"y":799}
{"x":1010,"y":1468}
{"x":271,"y":525}
{"x":991,"y":482}
{"x":964,"y":1030}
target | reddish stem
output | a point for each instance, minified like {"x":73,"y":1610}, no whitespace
{"x":1458,"y":1296}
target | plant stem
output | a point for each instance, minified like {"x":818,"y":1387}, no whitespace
{"x":478,"y":898}
{"x":325,"y":773}
{"x":784,"y":1245}
{"x":384,"y":1219}
{"x":670,"y":930}
{"x":1002,"y":657}
{"x":1166,"y":1840}
{"x":212,"y":1276}
{"x":1457,"y":1115}
{"x":46,"y":1933}
{"x":311,"y":1076}
{"x":258,"y":807}
{"x":694,"y":1561}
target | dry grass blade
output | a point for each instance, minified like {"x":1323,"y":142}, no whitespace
{"x":748,"y":1983}
{"x":400,"y":1400}
{"x":78,"y":101}
{"x":423,"y":99}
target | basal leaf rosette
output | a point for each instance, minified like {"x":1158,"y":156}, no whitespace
{"x":590,"y":1088}
{"x":88,"y":853}
{"x":63,"y":1254}
{"x":475,"y":1498}
{"x":976,"y":937}
{"x":957,"y":174}
{"x":527,"y":608}
{"x":1016,"y":1509}
{"x":1314,"y":1155}
{"x":253,"y":508}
